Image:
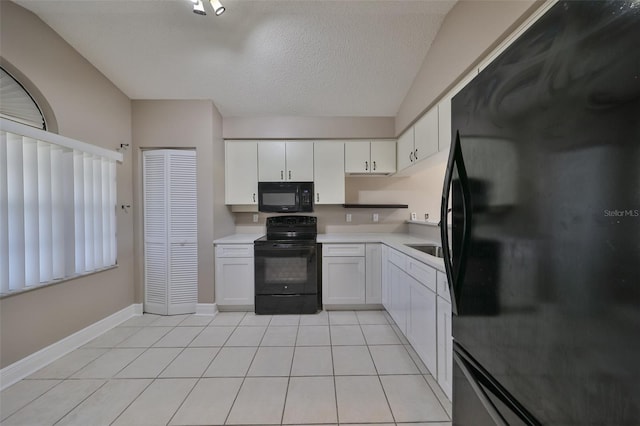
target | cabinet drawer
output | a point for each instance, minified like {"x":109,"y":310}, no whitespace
{"x":234,"y":250}
{"x":423,"y":273}
{"x":443,"y":286}
{"x":398,"y":259}
{"x":333,"y":250}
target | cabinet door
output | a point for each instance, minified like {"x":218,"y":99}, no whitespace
{"x":328,"y":172}
{"x":444,"y":124}
{"x":398,"y":296}
{"x":343,"y":280}
{"x":385,"y":276}
{"x":241,"y":172}
{"x":299,"y":164}
{"x":426,"y":135}
{"x":405,"y":149}
{"x":234,"y":281}
{"x":383,"y":157}
{"x":445,"y":347}
{"x":271,"y":161}
{"x":373,"y":275}
{"x":443,"y":286}
{"x":421,"y":323}
{"x":357,"y":157}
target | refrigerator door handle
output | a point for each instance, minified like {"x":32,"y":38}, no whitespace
{"x":482,"y":382}
{"x":480,"y":393}
{"x":455,"y":273}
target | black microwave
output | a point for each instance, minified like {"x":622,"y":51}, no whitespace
{"x":285,"y":197}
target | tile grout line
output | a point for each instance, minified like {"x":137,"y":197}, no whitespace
{"x":132,"y":401}
{"x":244,"y":378}
{"x":153,"y":380}
{"x":380,"y":380}
{"x":333,"y":369}
{"x":286,"y":393}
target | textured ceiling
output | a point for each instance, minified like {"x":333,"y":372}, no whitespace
{"x":261,"y":57}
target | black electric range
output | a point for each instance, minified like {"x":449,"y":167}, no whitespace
{"x":286,"y":267}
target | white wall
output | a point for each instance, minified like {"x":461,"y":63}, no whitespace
{"x":307,"y":127}
{"x":185,"y":124}
{"x":90,"y":108}
{"x":468,"y":33}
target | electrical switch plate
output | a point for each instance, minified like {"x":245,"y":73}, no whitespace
{"x":348,"y":217}
{"x":375,"y":217}
{"x":255,"y":217}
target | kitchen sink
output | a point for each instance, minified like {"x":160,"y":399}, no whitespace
{"x":429,"y":249}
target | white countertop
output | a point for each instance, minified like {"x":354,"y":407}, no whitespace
{"x":238,"y":239}
{"x":393,"y":240}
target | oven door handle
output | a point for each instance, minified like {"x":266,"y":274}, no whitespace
{"x":288,"y":246}
{"x":308,"y":252}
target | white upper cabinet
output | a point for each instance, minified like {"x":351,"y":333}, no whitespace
{"x":271,"y":161}
{"x":357,"y":156}
{"x":241,"y":172}
{"x":444,"y":113}
{"x":405,"y":149}
{"x":299,"y":161}
{"x":444,"y":124}
{"x":383,"y":157}
{"x":285,"y":161}
{"x":370,"y":157}
{"x":426,"y":135}
{"x":419,"y":141}
{"x":328,"y":172}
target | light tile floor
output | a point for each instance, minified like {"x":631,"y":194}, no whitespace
{"x":335,"y":368}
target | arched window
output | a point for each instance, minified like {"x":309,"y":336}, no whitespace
{"x":17,"y":104}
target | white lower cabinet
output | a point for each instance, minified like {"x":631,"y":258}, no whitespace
{"x":445,"y":347}
{"x":421,"y":323}
{"x":352,"y":274}
{"x":398,"y":296}
{"x":373,"y":273}
{"x":384,"y":271}
{"x":343,"y":274}
{"x":343,"y":280}
{"x":417,"y":298}
{"x":445,"y":339}
{"x":234,"y":275}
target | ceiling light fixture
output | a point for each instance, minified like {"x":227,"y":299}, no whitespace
{"x":218,"y":8}
{"x":198,"y":7}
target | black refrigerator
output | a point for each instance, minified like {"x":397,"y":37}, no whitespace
{"x":543,"y":251}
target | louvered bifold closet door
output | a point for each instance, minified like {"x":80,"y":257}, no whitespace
{"x":183,"y":233}
{"x":170,"y":231}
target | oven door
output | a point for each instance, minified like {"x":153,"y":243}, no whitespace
{"x":285,"y":268}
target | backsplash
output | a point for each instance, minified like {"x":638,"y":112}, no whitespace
{"x":421,"y":192}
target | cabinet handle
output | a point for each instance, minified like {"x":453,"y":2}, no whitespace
{"x":281,"y":175}
{"x":366,"y":165}
{"x":289,"y":174}
{"x":411,"y":157}
{"x":317,"y":197}
{"x":415,"y":155}
{"x":254,"y":197}
{"x":374,"y":165}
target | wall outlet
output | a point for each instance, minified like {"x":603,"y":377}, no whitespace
{"x":255,"y":218}
{"x":348,"y":217}
{"x":375,"y":217}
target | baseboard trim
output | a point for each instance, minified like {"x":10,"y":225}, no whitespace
{"x":30,"y":364}
{"x":210,"y":309}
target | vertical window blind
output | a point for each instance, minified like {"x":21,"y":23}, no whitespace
{"x":57,"y":207}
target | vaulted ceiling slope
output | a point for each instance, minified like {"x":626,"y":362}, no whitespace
{"x":261,"y":57}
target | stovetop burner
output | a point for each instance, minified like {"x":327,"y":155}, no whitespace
{"x":288,"y":228}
